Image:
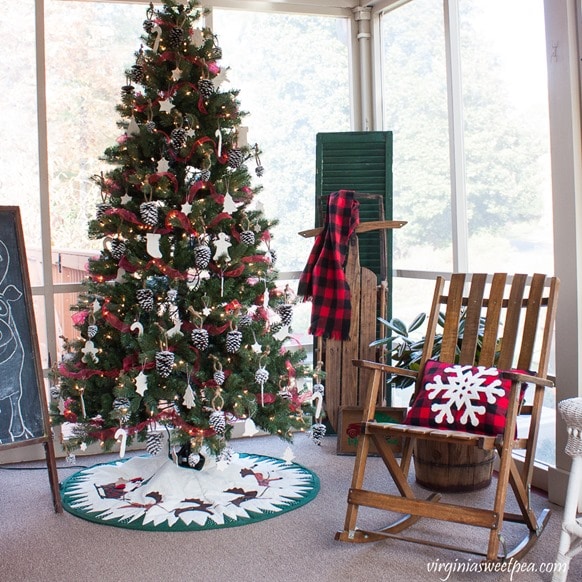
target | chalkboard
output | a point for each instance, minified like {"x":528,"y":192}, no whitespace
{"x":23,"y":405}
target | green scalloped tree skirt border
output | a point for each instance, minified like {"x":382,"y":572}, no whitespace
{"x":153,"y":494}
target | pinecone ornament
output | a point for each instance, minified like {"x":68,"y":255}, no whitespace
{"x":219,"y":377}
{"x":121,"y":406}
{"x":102,"y":209}
{"x":318,"y":388}
{"x":317,"y":433}
{"x":217,"y":53}
{"x":217,"y":421}
{"x":164,"y":363}
{"x":194,"y":460}
{"x":92,"y":330}
{"x":204,"y":175}
{"x":148,"y":25}
{"x":145,"y":299}
{"x":245,"y":320}
{"x":175,"y":36}
{"x":233,"y":341}
{"x":235,"y":158}
{"x":136,"y":74}
{"x":261,"y":375}
{"x":206,"y":88}
{"x":200,"y":338}
{"x":178,"y":138}
{"x":127,"y":91}
{"x":247,"y":237}
{"x":286,"y":313}
{"x":117,"y":248}
{"x":259,"y":170}
{"x":188,"y":458}
{"x":149,"y":213}
{"x":55,"y":392}
{"x":202,"y":254}
{"x":127,"y":94}
{"x":154,"y":443}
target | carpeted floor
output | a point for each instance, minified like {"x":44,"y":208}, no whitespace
{"x":38,"y":545}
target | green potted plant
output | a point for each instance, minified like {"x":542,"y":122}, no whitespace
{"x":404,"y":349}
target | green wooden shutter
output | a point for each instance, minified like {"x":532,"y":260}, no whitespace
{"x":360,"y":161}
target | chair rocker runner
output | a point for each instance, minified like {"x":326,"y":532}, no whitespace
{"x":506,"y":322}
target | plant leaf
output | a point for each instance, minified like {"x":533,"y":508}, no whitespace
{"x":418,"y":321}
{"x":398,"y":326}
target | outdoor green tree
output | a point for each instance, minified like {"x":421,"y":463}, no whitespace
{"x":503,"y":176}
{"x":182,"y":322}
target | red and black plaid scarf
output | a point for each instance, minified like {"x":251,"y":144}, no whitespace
{"x":323,"y":280}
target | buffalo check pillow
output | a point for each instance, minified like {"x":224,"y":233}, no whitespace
{"x":467,"y":398}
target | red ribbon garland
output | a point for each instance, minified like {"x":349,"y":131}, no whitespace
{"x":165,"y":269}
{"x":86,"y":373}
{"x":130,"y":363}
{"x":164,"y":416}
{"x":170,"y":56}
{"x":234,"y":272}
{"x":153,"y":179}
{"x":200,"y":185}
{"x":217,"y":330}
{"x":127,"y":215}
{"x":182,"y":219}
{"x":102,"y":278}
{"x":290,"y":369}
{"x":266,"y":398}
{"x":218,"y":219}
{"x":127,"y":266}
{"x":113,"y":320}
{"x":255,"y":259}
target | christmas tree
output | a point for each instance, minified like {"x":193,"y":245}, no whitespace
{"x":181,"y":322}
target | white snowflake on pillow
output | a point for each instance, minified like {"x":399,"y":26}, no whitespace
{"x":464,"y":391}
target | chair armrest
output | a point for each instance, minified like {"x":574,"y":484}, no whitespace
{"x":519,"y":377}
{"x":384,"y":368}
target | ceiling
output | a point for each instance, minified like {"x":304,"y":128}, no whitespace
{"x":331,"y":3}
{"x":318,"y":4}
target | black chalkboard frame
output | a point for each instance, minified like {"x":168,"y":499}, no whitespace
{"x":23,"y":404}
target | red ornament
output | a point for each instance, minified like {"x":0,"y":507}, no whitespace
{"x":233,"y":306}
{"x":70,"y":416}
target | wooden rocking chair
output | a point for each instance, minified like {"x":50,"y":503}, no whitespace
{"x":494,"y":335}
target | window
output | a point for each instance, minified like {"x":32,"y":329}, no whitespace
{"x":501,"y":169}
{"x":294,"y":82}
{"x":19,"y":177}
{"x":89,"y":45}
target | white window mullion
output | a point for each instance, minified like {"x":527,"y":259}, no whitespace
{"x":362,"y":16}
{"x":456,"y":141}
{"x":45,"y":223}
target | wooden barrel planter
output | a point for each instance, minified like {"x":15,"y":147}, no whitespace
{"x":451,"y":467}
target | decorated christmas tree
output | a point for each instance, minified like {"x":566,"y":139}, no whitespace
{"x":181,"y":323}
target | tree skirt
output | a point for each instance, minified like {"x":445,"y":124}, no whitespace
{"x":154,"y":494}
